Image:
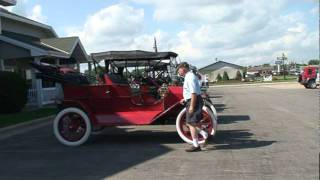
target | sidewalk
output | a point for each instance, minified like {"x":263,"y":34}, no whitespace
{"x":21,"y":128}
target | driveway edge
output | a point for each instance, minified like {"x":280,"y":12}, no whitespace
{"x":20,"y":128}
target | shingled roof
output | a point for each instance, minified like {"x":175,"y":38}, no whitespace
{"x":218,"y":65}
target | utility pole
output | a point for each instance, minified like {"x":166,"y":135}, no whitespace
{"x":283,"y":58}
{"x":155,"y":47}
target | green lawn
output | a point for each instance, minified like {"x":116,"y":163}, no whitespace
{"x":289,"y":78}
{"x":12,"y":119}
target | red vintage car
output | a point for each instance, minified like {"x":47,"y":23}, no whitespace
{"x":122,"y":96}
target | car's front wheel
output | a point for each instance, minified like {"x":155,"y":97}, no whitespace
{"x":208,"y":123}
{"x":72,"y":126}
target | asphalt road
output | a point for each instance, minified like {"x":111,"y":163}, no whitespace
{"x":265,"y":132}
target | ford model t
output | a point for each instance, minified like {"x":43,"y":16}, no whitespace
{"x":133,"y":88}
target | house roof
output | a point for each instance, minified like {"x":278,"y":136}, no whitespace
{"x":218,"y":65}
{"x":56,"y":47}
{"x":5,"y":13}
{"x":8,"y":2}
{"x":259,"y":68}
{"x":26,"y":39}
{"x":66,"y":44}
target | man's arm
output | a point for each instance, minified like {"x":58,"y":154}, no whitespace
{"x":193,"y":102}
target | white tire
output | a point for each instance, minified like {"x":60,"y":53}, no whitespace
{"x":180,"y":125}
{"x":82,"y":117}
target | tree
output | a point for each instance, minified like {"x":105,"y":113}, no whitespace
{"x":13,"y":92}
{"x":314,"y":62}
{"x":266,"y":65}
{"x":239,"y":76}
{"x":219,"y":78}
{"x":244,"y":72}
{"x":225,"y":76}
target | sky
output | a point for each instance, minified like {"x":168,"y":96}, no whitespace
{"x":244,"y":32}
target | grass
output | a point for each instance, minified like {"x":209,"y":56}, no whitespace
{"x":24,"y":116}
{"x":289,"y":78}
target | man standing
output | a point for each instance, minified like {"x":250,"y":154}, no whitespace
{"x":193,"y":100}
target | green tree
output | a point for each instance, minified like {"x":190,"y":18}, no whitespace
{"x":239,"y":76}
{"x":314,"y":62}
{"x":225,"y":76}
{"x":219,"y":78}
{"x":266,"y":65}
{"x":13,"y":92}
{"x":244,"y":72}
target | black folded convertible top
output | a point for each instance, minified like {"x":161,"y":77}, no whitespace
{"x":135,"y":55}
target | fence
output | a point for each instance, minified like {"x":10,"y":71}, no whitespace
{"x":48,"y":96}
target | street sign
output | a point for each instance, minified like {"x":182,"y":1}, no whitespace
{"x":278,"y":62}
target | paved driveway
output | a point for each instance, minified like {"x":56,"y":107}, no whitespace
{"x":265,"y":132}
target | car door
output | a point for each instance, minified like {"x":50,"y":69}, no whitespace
{"x":101,"y":99}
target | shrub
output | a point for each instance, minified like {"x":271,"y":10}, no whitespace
{"x":225,"y":76}
{"x":219,"y":78}
{"x":13,"y":92}
{"x":239,"y":76}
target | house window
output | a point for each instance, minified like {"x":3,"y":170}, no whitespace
{"x":48,"y":84}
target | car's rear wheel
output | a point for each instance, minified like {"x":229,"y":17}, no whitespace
{"x":312,"y":84}
{"x":72,"y":127}
{"x":208,"y":123}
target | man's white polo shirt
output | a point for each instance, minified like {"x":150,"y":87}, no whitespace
{"x":190,"y":85}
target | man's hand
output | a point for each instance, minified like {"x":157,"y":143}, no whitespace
{"x":182,"y":101}
{"x":191,"y":110}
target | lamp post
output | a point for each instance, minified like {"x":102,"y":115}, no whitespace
{"x":283,"y":58}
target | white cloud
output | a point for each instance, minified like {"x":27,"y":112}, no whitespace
{"x":36,"y":14}
{"x":245,"y":32}
{"x":315,"y":10}
{"x":111,"y":28}
{"x":239,"y":31}
{"x":21,"y":9}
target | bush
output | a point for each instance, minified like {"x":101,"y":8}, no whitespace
{"x":239,"y":76}
{"x":13,"y":92}
{"x":225,"y":76}
{"x":219,"y":78}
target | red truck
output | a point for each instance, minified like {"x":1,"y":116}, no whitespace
{"x":309,"y":77}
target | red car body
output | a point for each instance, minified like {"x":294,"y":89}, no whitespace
{"x":113,"y":101}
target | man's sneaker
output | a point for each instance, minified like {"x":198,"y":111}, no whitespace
{"x":194,"y":149}
{"x":205,"y":143}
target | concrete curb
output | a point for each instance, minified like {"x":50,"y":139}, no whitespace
{"x":20,"y":128}
{"x":255,"y":84}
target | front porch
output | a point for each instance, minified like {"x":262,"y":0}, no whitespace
{"x":16,"y":54}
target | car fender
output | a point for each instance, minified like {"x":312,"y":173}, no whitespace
{"x":208,"y":103}
{"x":82,"y":106}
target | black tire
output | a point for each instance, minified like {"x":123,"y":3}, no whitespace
{"x":312,"y":84}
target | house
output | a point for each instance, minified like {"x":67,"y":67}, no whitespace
{"x":212,"y":70}
{"x":23,"y":41}
{"x":8,"y":2}
{"x":260,"y":70}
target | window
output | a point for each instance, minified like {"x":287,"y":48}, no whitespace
{"x":48,"y":84}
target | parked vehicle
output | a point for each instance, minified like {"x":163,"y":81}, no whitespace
{"x":309,"y":77}
{"x":121,"y":98}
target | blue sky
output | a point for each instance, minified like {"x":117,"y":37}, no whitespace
{"x":244,"y":32}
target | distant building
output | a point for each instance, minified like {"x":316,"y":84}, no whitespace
{"x":260,"y":70}
{"x":23,"y":41}
{"x":220,"y":67}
